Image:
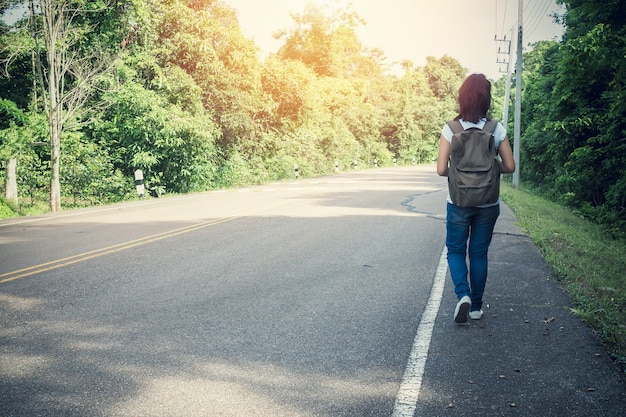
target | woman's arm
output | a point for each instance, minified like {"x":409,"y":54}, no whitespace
{"x":508,"y":163}
{"x":444,"y":155}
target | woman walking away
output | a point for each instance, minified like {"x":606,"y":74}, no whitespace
{"x":473,"y":207}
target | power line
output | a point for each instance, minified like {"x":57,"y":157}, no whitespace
{"x":501,"y":33}
{"x":533,"y":14}
{"x":541,"y":14}
{"x":503,"y":45}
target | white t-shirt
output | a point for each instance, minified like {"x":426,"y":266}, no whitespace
{"x":499,"y":134}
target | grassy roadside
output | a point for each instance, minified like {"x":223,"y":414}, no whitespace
{"x":590,"y":265}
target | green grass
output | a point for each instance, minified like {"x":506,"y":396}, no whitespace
{"x":40,"y":206}
{"x":589,"y":263}
{"x":9,"y":209}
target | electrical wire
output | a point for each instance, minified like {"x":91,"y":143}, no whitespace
{"x":540,"y":15}
{"x":503,"y":39}
{"x":502,"y":32}
{"x":534,"y":14}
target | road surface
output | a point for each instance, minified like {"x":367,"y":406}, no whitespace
{"x":313,"y":297}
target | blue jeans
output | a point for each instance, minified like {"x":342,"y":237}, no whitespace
{"x":475,"y":224}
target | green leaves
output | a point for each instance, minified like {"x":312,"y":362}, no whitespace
{"x":324,"y":41}
{"x":144,"y":131}
{"x":573,"y":109}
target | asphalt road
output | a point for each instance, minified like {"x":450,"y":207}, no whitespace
{"x":321,"y":297}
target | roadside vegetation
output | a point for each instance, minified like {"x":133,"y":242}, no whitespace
{"x":175,"y":89}
{"x":588,"y":261}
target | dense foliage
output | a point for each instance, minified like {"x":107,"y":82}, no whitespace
{"x":574,"y":101}
{"x":183,"y":96}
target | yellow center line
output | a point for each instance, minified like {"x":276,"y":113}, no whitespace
{"x":81,"y":257}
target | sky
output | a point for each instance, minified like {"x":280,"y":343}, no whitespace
{"x":415,"y":29}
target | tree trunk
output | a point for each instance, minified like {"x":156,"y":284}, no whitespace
{"x":53,"y":17}
{"x":55,"y":157}
{"x":55,"y":182}
{"x":11,"y":181}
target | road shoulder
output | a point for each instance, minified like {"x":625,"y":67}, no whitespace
{"x":529,"y":355}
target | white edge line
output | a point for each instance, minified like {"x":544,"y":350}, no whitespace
{"x":408,"y":394}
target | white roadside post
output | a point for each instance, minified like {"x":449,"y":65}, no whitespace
{"x":139,"y":182}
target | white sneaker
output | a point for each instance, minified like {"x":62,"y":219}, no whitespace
{"x":476,"y":315}
{"x":461,"y":310}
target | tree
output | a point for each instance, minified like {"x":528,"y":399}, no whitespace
{"x":11,"y":138}
{"x":174,"y":148}
{"x":191,"y":104}
{"x":444,"y":76}
{"x":540,"y":164}
{"x":288,"y":83}
{"x":208,"y":45}
{"x":66,"y":71}
{"x":574,"y":145}
{"x":324,"y":42}
{"x":414,"y":114}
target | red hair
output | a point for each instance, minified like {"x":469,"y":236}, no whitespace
{"x":474,"y":98}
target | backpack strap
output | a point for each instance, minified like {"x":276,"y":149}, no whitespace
{"x":455,"y":126}
{"x":490,"y":126}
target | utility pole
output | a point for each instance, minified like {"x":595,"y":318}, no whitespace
{"x":507,"y":99}
{"x":504,"y":62}
{"x":518,"y":96}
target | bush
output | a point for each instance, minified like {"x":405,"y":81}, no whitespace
{"x":8,"y":209}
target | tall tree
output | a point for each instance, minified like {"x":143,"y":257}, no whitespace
{"x":324,"y":40}
{"x":540,"y":161}
{"x":209,"y":46}
{"x":66,"y":70}
{"x":574,"y":145}
{"x":444,"y":76}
